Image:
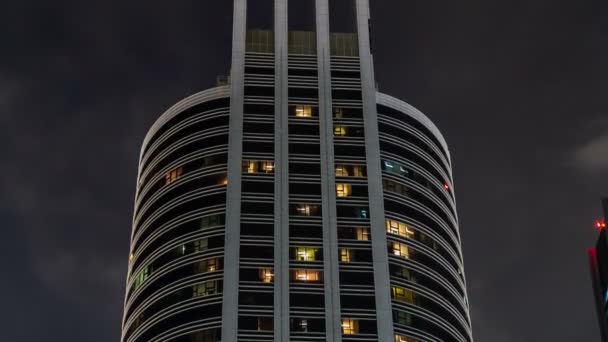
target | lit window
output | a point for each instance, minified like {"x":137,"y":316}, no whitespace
{"x":306,"y":275}
{"x":141,"y":277}
{"x":346,"y":255}
{"x":363,"y":213}
{"x":267,"y":166}
{"x":403,"y":295}
{"x":266,"y":275}
{"x":358,"y":171}
{"x":401,"y":250}
{"x":340,"y":131}
{"x":304,"y":325}
{"x":250,"y":166}
{"x":204,"y":289}
{"x":173,"y":175}
{"x":304,"y":111}
{"x":399,"y":228}
{"x":362,"y":234}
{"x":131,"y":257}
{"x":343,"y":190}
{"x":204,"y":266}
{"x":350,"y":327}
{"x":255,"y":166}
{"x":341,"y":171}
{"x":224,"y":181}
{"x":306,"y":254}
{"x":306,"y":210}
{"x":401,"y":338}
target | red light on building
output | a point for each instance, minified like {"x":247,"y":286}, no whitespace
{"x":600,"y":225}
{"x":446,"y":186}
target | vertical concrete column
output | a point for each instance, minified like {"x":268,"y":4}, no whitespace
{"x":235,"y":152}
{"x":374,"y":176}
{"x":281,"y":185}
{"x":328,"y":178}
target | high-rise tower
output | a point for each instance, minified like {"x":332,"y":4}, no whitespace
{"x":296,"y":203}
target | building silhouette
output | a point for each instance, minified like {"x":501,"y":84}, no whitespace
{"x":598,"y":262}
{"x":295,"y":202}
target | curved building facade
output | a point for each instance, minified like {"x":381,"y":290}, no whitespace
{"x":296,"y":203}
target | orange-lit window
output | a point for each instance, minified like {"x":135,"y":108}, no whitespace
{"x":362,"y":234}
{"x":399,"y":228}
{"x":341,"y":171}
{"x":256,"y":166}
{"x":343,"y":189}
{"x":401,"y":338}
{"x":346,"y":255}
{"x":306,"y":275}
{"x":173,"y":175}
{"x":250,"y":166}
{"x":350,"y":327}
{"x":403,"y":295}
{"x":401,"y":249}
{"x":358,"y":171}
{"x":267,"y":166}
{"x":304,"y":111}
{"x":266,"y":275}
{"x":340,"y":131}
{"x":204,"y":266}
{"x":306,"y":254}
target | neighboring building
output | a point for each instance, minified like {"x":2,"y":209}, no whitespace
{"x":296,"y":203}
{"x":598,"y":260}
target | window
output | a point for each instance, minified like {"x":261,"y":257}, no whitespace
{"x":200,"y":245}
{"x":173,"y":175}
{"x":204,"y":336}
{"x":141,"y":277}
{"x":211,"y":221}
{"x":404,"y":273}
{"x":341,"y":171}
{"x":403,"y":295}
{"x":303,"y":325}
{"x":401,"y":338}
{"x":350,"y":327}
{"x":306,"y":210}
{"x":363,"y":213}
{"x":399,"y":228}
{"x":343,"y":189}
{"x":257,"y":166}
{"x":266,"y":275}
{"x":303,"y":111}
{"x":403,"y":318}
{"x":204,"y":289}
{"x":401,"y":249}
{"x":205,"y":266}
{"x":306,"y":254}
{"x":346,"y":255}
{"x":363,"y":234}
{"x":340,"y":131}
{"x":350,"y":171}
{"x":265,"y":323}
{"x":306,"y":275}
{"x":395,"y":187}
{"x":338,"y":113}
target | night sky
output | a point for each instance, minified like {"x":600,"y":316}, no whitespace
{"x":519,"y":89}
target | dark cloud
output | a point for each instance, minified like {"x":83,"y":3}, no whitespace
{"x":518,"y":88}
